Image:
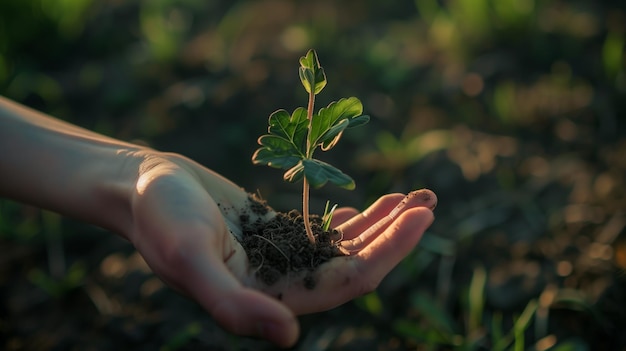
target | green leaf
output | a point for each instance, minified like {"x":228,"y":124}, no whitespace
{"x":275,"y":142}
{"x":292,"y":128}
{"x":358,"y":121}
{"x":277,"y":153}
{"x":282,"y":148}
{"x":319,"y":173}
{"x":295,"y":173}
{"x":322,"y":132}
{"x":332,"y":136}
{"x":292,"y":139}
{"x":311,"y":73}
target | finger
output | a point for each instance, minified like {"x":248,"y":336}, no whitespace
{"x":418,"y":198}
{"x":241,"y":310}
{"x":187,"y":248}
{"x":341,"y":215}
{"x":389,"y":248}
{"x":238,"y":309}
{"x":196,"y":269}
{"x":362,"y":221}
{"x":344,"y":278}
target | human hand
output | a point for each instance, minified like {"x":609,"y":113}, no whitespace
{"x":181,"y":229}
{"x":374,"y":242}
{"x":177,"y":215}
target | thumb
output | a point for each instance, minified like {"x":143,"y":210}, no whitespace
{"x":249,"y":312}
{"x":196,"y":272}
{"x":236,"y":308}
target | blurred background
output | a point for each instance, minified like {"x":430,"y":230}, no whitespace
{"x":512,"y":111}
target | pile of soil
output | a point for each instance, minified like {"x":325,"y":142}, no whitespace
{"x":280,"y":247}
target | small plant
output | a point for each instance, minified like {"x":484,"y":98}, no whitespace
{"x":293,"y":139}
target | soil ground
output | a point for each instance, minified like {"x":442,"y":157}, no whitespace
{"x":512,"y":115}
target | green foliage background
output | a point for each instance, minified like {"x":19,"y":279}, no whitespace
{"x":512,"y":111}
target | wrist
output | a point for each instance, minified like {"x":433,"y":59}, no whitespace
{"x":111,"y":180}
{"x":66,"y":169}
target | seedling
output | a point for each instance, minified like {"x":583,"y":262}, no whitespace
{"x":293,"y":139}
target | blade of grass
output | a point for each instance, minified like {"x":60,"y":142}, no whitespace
{"x":522,"y":323}
{"x":476,"y":299}
{"x":435,"y":315}
{"x":519,"y":327}
{"x":496,"y":331}
{"x":183,"y":337}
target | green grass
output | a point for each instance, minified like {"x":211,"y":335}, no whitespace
{"x":510,"y":110}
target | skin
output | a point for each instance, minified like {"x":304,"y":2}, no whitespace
{"x":415,"y":198}
{"x":166,"y":206}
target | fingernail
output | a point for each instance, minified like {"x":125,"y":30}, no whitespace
{"x":426,"y":197}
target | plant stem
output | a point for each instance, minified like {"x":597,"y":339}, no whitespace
{"x":305,"y":183}
{"x":305,"y":211}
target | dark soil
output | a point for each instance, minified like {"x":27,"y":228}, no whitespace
{"x":281,"y":247}
{"x":518,"y":125}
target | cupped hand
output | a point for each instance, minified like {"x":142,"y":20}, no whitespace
{"x":182,"y":213}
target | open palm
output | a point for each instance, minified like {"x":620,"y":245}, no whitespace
{"x":185,"y":235}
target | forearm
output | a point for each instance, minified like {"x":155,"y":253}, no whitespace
{"x":61,"y":167}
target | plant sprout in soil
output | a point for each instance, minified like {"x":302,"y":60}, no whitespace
{"x":292,"y":139}
{"x":295,"y":244}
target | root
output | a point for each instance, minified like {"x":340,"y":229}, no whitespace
{"x":258,"y":268}
{"x":276,"y":247}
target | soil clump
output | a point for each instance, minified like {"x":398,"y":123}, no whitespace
{"x":280,"y":247}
